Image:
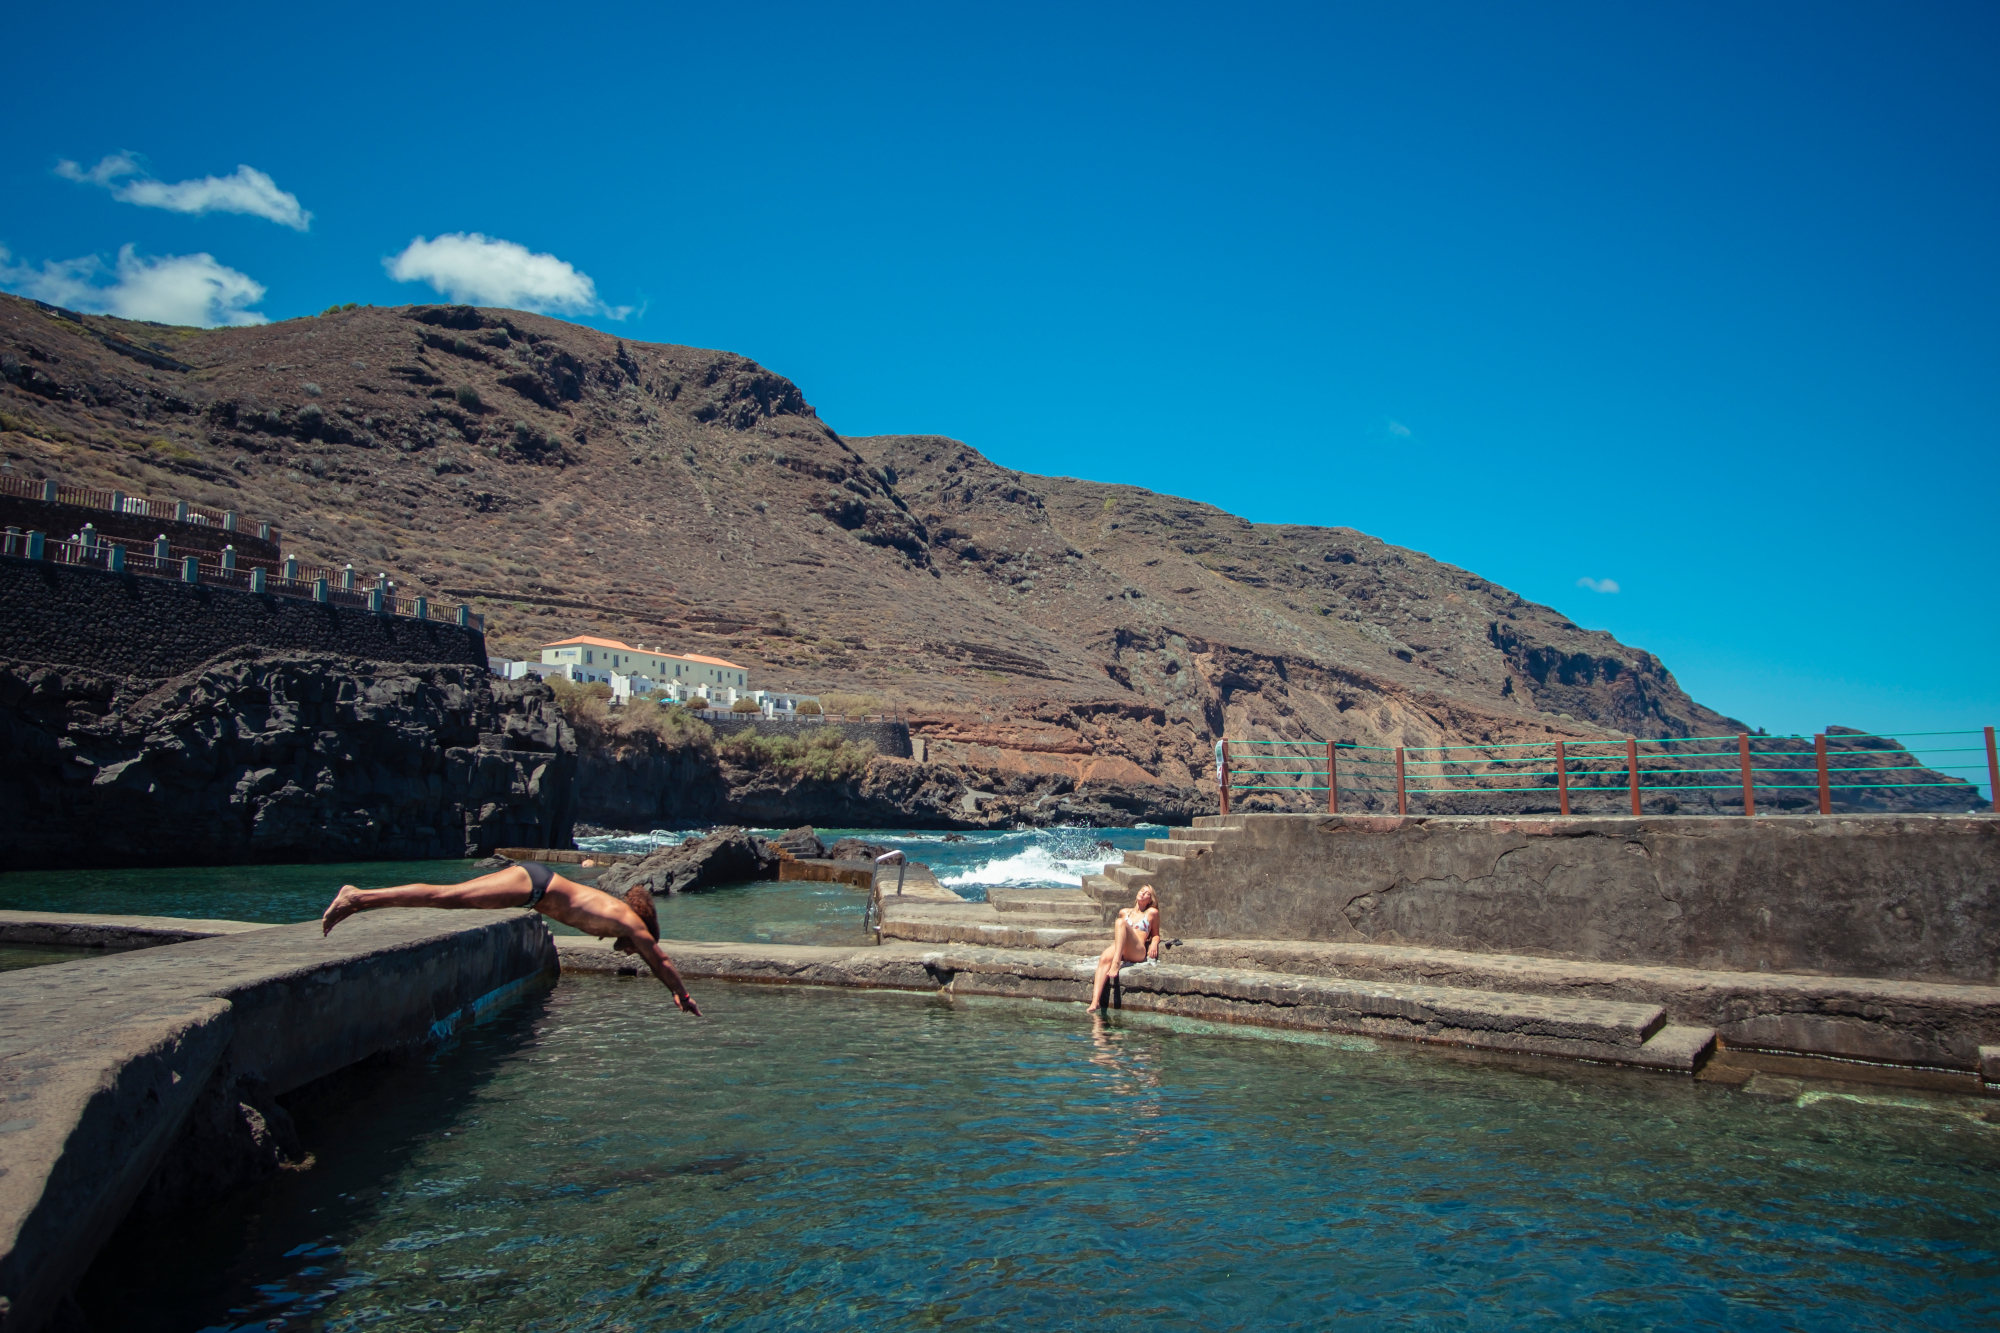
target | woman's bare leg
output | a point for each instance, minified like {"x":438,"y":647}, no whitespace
{"x":502,"y":888}
{"x":1123,"y":943}
{"x":1098,"y":981}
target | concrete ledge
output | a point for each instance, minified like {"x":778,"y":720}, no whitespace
{"x":958,"y":922}
{"x":1903,"y":897}
{"x":101,"y":1060}
{"x":859,"y":874}
{"x":113,"y":932}
{"x":1926,"y":1024}
{"x":889,"y":967}
{"x":1598,"y":1030}
{"x":919,"y":885}
{"x":1607,"y":1031}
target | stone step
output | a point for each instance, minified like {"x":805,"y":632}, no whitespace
{"x":1186,"y":848}
{"x":1066,"y":904}
{"x":1920,"y":1025}
{"x":1199,"y":834}
{"x":1152,"y":861}
{"x":1111,"y":891}
{"x":1130,"y":875}
{"x":982,"y":924}
{"x":1606,"y":1030}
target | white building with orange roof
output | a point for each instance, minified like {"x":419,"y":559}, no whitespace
{"x":678,"y":674}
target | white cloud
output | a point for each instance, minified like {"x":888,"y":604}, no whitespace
{"x":1398,"y":428}
{"x":246,"y":190}
{"x":1597,"y":585}
{"x":484,"y":270}
{"x":172,"y":289}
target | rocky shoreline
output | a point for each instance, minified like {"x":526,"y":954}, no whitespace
{"x":255,"y":758}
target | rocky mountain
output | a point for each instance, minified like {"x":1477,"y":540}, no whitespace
{"x":1053,"y":641}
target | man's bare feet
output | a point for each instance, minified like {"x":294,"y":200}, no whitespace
{"x":344,"y":905}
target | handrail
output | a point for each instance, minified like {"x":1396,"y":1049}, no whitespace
{"x":1308,"y":767}
{"x":226,"y":569}
{"x":51,"y":491}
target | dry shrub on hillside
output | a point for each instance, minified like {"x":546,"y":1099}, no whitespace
{"x":588,"y":709}
{"x":820,"y":753}
{"x":852,"y":705}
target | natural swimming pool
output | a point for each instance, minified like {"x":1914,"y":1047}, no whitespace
{"x":821,"y":1159}
{"x":791,"y":913}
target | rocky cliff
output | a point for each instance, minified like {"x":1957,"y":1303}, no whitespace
{"x":1051,"y":640}
{"x":277,"y":759}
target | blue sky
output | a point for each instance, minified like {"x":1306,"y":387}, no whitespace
{"x":1699,"y":300}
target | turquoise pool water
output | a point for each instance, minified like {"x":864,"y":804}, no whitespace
{"x":14,"y":956}
{"x":795,"y":913}
{"x":276,"y":894}
{"x":816,"y":1159}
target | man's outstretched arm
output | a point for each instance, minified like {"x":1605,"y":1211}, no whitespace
{"x":662,"y":967}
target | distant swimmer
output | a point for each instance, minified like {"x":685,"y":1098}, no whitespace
{"x":1135,"y":937}
{"x":632,"y":922}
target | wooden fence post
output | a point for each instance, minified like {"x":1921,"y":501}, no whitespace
{"x":1632,"y":770}
{"x":1743,"y":758}
{"x":1222,"y":773}
{"x":1333,"y":780}
{"x":1819,"y":759}
{"x":1402,"y":793}
{"x":1562,"y":774}
{"x":1992,"y":771}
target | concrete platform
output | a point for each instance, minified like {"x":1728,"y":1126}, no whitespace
{"x":103,"y":1060}
{"x":1008,"y":919}
{"x":884,"y":967}
{"x":860,"y":874}
{"x":113,"y":933}
{"x":1896,"y":897}
{"x":1060,"y":904}
{"x":1600,"y":1030}
{"x":1924,"y":1025}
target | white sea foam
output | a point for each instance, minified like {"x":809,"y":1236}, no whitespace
{"x":1036,"y":867}
{"x":633,"y":844}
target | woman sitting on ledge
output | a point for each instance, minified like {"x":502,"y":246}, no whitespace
{"x":633,"y":923}
{"x":1135,"y":938}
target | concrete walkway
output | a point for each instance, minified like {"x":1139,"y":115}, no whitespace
{"x":103,"y":1060}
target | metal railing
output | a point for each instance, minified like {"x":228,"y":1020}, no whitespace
{"x":1854,"y":765}
{"x":226,"y":569}
{"x":118,"y":502}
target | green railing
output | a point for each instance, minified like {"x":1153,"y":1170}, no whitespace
{"x":1850,"y":766}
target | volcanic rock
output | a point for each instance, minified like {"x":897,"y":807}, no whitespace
{"x":854,"y":849}
{"x":726,"y":856}
{"x":278,"y":759}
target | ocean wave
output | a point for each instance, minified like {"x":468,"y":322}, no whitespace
{"x":633,"y":844}
{"x":1035,"y":867}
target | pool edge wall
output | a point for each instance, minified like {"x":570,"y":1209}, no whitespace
{"x":101,"y":1061}
{"x":1892,"y":897}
